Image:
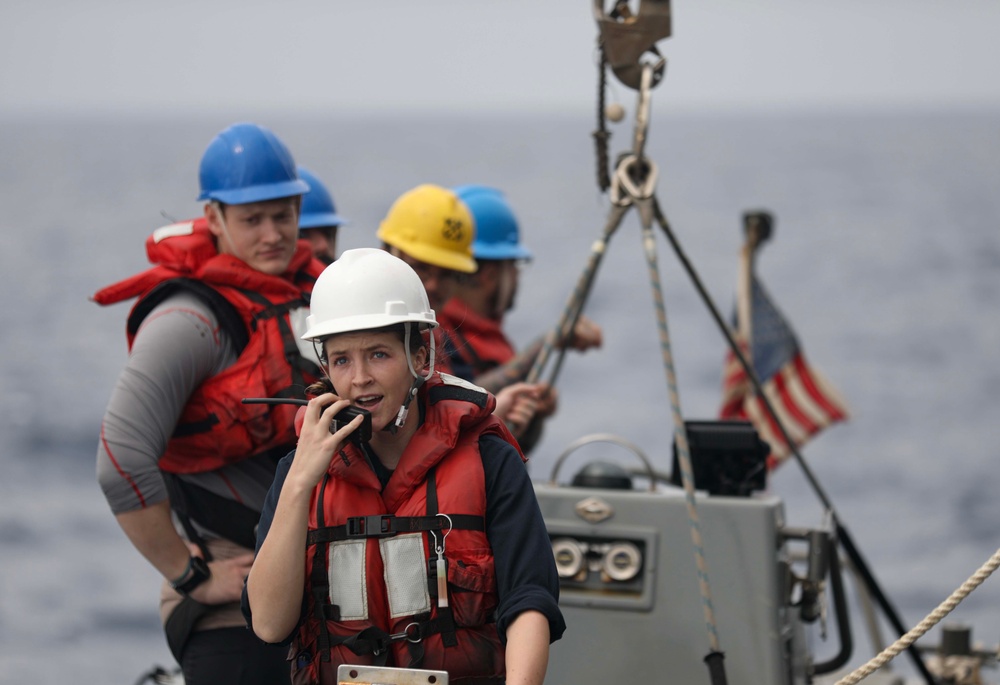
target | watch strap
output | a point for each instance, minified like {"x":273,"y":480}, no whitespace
{"x":198,"y":574}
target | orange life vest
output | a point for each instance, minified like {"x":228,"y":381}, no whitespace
{"x":479,"y":341}
{"x":254,"y":308}
{"x":373,"y":556}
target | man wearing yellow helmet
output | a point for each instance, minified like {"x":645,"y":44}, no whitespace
{"x":474,"y":316}
{"x":432,"y":230}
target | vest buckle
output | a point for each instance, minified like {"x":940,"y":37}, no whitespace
{"x":370,"y":526}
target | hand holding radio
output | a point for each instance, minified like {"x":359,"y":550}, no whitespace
{"x":363,"y":433}
{"x":341,"y":419}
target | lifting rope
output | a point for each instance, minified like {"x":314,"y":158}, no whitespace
{"x":632,"y":186}
{"x":624,"y":38}
{"x":932,"y":619}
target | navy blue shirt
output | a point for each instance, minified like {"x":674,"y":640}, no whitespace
{"x":525,"y":570}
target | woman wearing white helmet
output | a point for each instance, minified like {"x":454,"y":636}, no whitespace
{"x":421,"y":547}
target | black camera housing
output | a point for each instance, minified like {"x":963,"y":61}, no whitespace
{"x":727,"y":457}
{"x":348,"y":414}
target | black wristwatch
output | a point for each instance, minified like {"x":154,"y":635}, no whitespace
{"x":198,"y":573}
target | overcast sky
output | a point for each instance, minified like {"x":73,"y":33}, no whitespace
{"x":100,"y":56}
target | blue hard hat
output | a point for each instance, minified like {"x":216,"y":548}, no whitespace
{"x":497,"y":234}
{"x":318,"y":209}
{"x":248,"y":163}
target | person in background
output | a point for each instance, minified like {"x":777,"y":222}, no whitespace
{"x":318,"y":220}
{"x":458,"y":575}
{"x":474,"y":315}
{"x":216,"y":321}
{"x":431,"y":230}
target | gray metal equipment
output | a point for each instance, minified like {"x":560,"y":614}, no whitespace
{"x":630,"y":592}
{"x":649,"y":626}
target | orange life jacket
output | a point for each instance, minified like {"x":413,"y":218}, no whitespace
{"x":373,"y":556}
{"x":479,"y":341}
{"x":254,"y":308}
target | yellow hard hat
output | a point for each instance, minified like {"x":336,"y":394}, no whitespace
{"x":431,"y":224}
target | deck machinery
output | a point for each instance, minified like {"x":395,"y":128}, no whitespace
{"x":630,"y":588}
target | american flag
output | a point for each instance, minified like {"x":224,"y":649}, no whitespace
{"x":803,"y":399}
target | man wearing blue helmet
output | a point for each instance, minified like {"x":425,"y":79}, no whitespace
{"x":474,"y":316}
{"x":184,"y":465}
{"x":318,"y":220}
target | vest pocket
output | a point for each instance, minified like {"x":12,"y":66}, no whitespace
{"x":473,"y":578}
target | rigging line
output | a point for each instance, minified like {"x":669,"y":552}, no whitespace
{"x":680,"y":433}
{"x":574,"y":306}
{"x":645,"y":104}
{"x":932,"y":619}
{"x":601,"y":134}
{"x":623,"y":192}
{"x":634,"y":186}
{"x":731,"y":341}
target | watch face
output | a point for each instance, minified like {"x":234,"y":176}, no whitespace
{"x":200,"y":572}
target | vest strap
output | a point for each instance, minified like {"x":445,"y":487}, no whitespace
{"x":443,"y":624}
{"x":228,"y":518}
{"x":299,"y":364}
{"x":229,"y":319}
{"x":180,"y":624}
{"x":375,"y":641}
{"x":321,"y":585}
{"x":387,"y":526}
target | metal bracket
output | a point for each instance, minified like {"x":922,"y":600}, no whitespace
{"x":625,"y":37}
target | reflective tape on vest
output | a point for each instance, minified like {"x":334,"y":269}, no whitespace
{"x":405,"y":574}
{"x":346,"y":574}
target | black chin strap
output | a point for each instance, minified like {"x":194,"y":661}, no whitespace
{"x":418,"y":380}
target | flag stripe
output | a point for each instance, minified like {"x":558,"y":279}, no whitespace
{"x":767,"y":427}
{"x":802,"y":398}
{"x":799,"y":386}
{"x":796,"y":430}
{"x":784,"y":390}
{"x":821,"y":392}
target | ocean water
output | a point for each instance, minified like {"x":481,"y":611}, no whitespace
{"x":885,"y":259}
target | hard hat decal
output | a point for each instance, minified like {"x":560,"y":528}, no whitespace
{"x":454,"y":230}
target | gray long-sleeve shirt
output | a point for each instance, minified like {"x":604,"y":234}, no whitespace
{"x":177,"y":347}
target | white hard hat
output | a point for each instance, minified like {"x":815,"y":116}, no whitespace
{"x":364,"y":289}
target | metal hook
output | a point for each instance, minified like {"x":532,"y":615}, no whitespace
{"x":440,"y":549}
